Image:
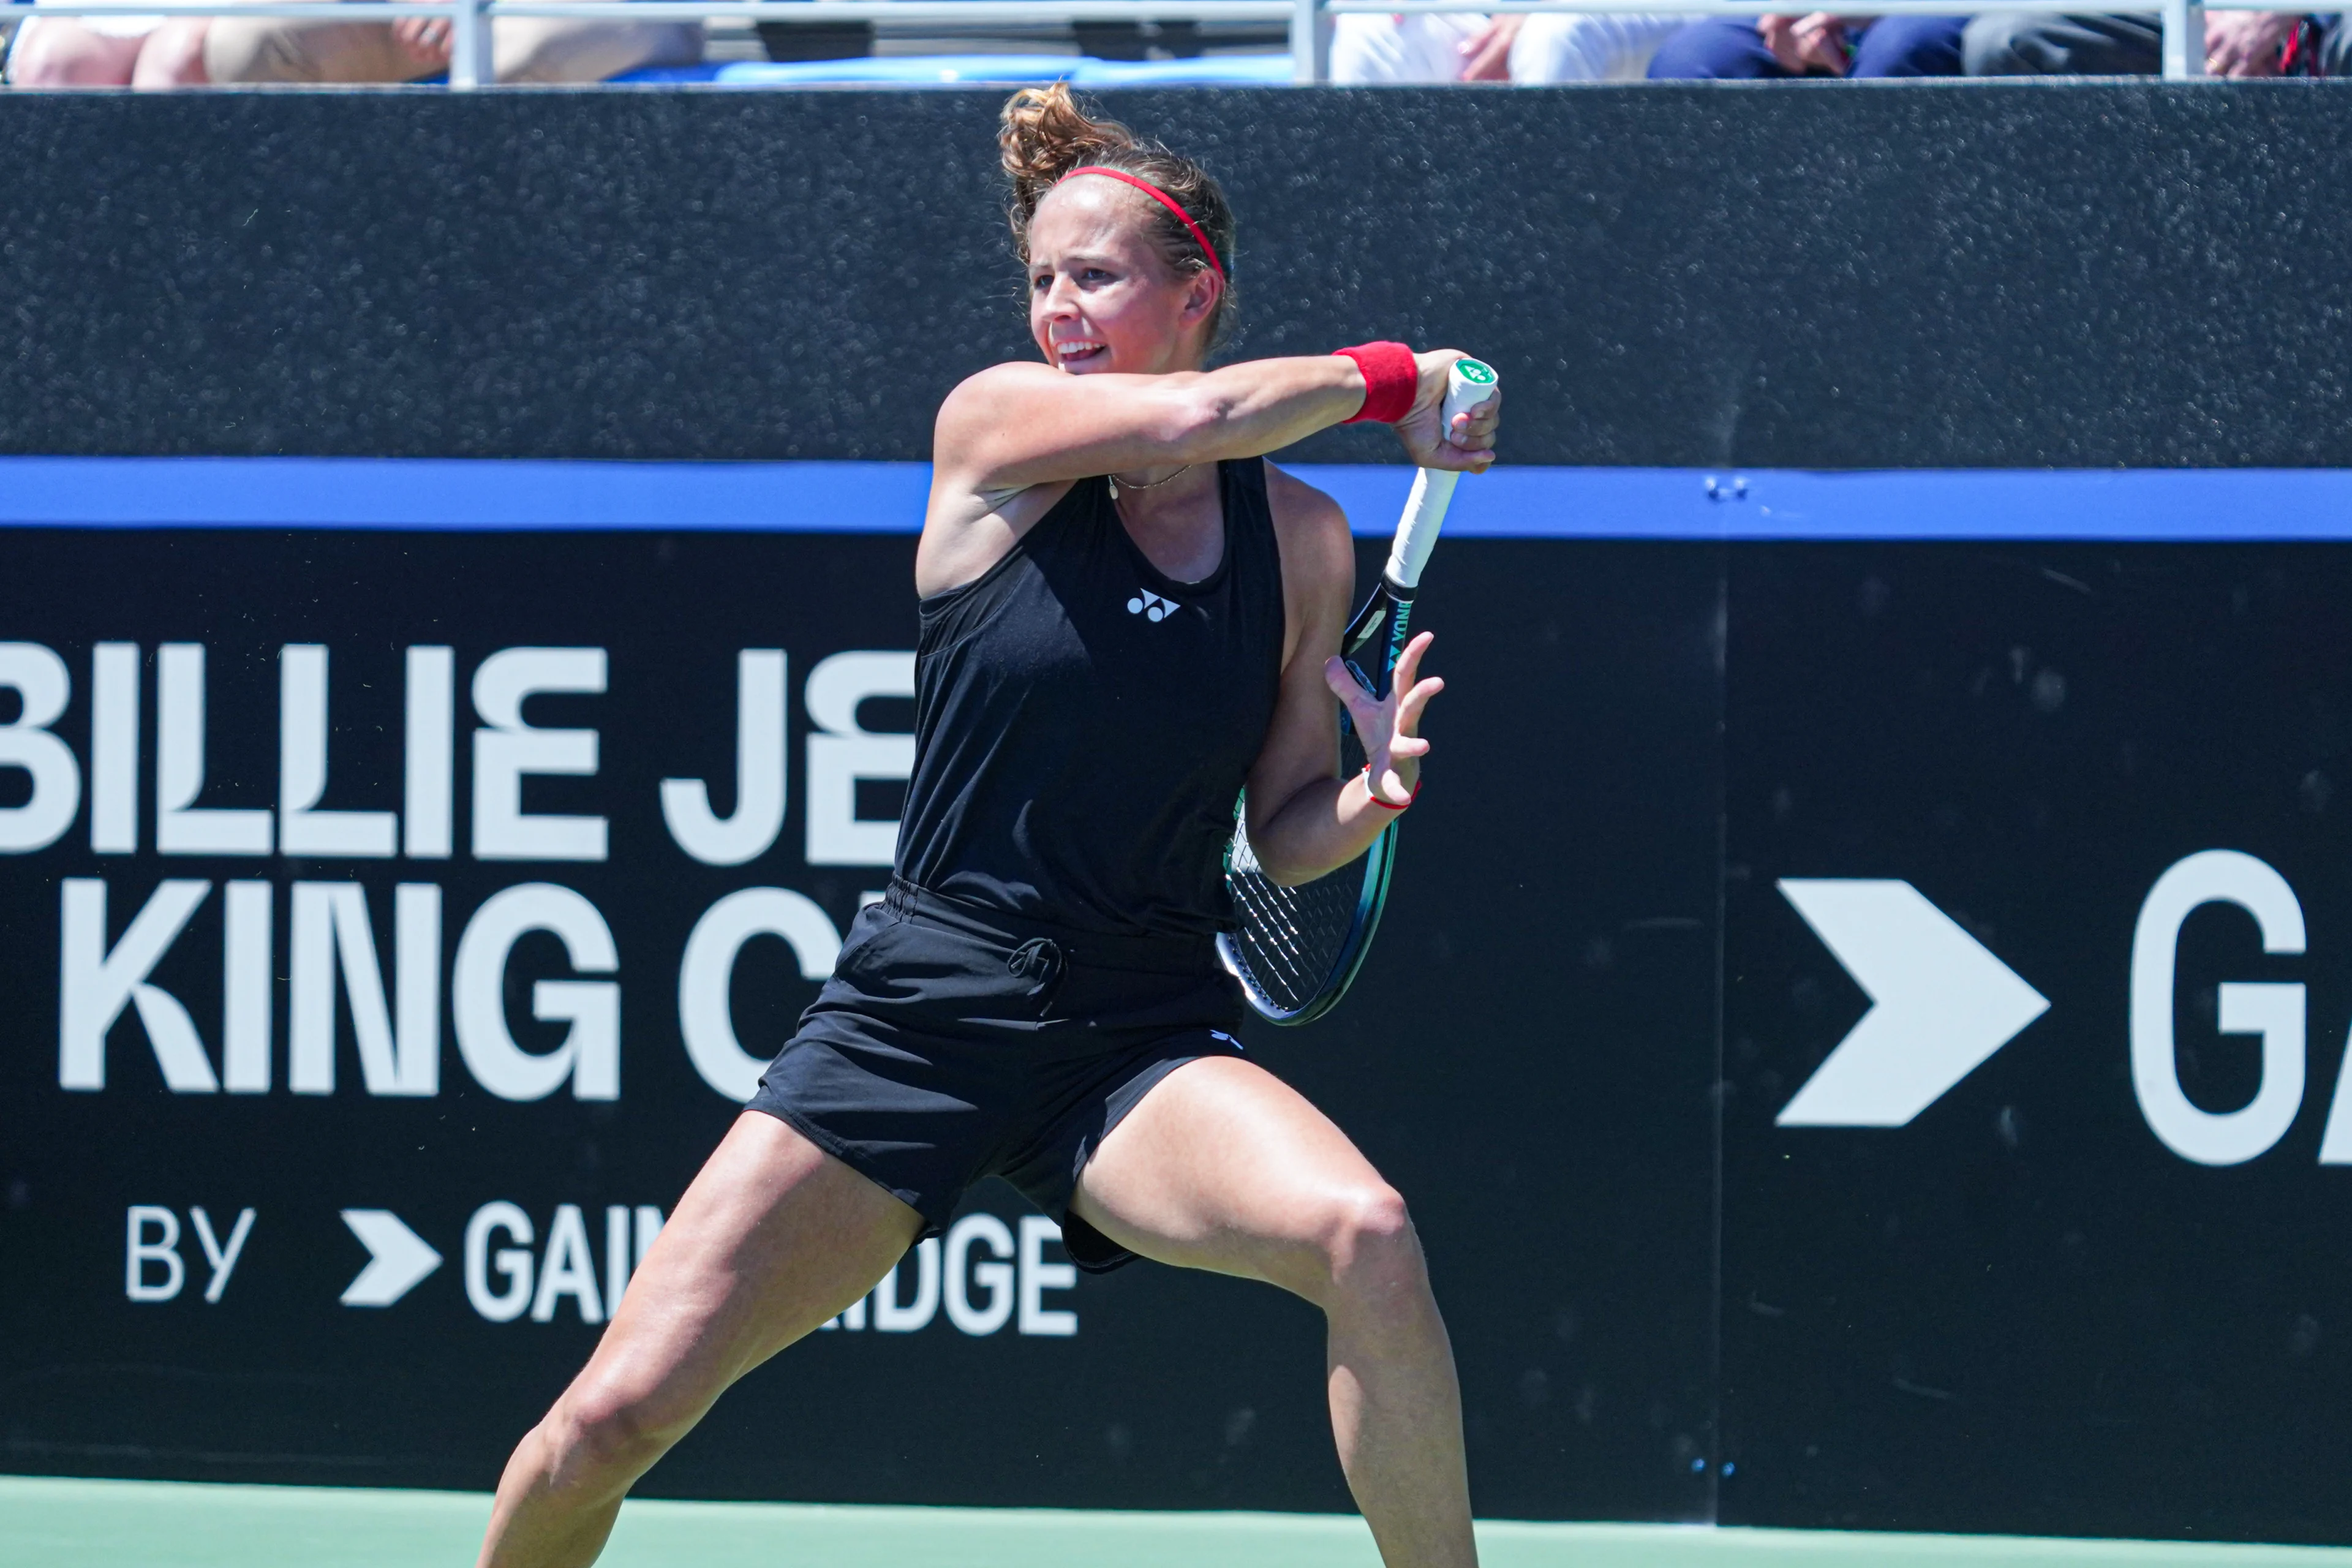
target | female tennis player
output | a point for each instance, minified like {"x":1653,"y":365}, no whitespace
{"x":1126,"y":615}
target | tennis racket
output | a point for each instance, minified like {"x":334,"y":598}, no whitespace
{"x":1297,"y":950}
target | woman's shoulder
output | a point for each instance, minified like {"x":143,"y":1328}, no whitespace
{"x":973,"y":414}
{"x":1318,"y":558}
{"x":1308,"y":523}
{"x":984,"y":384}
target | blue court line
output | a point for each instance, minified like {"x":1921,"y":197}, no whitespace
{"x":500,"y":494}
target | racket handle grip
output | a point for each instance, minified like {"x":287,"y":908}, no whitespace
{"x":1416,"y":535}
{"x":1470,"y":383}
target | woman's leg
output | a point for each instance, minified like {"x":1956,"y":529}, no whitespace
{"x":773,"y":1238}
{"x":1226,"y":1168}
{"x":56,"y":51}
{"x":570,"y":50}
{"x":174,"y":55}
{"x":246,"y":49}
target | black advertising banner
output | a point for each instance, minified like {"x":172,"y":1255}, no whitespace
{"x":391,"y":922}
{"x":2036,"y":1016}
{"x":1856,"y":1020}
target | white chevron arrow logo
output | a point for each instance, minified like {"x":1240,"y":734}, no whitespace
{"x":1940,"y":1005}
{"x":398,"y":1258}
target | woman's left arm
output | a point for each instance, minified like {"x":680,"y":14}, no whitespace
{"x":1304,"y":822}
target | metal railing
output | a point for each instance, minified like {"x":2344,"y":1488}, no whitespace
{"x":1310,"y":21}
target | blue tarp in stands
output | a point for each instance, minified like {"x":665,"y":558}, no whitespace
{"x":910,"y":71}
{"x":664,"y":76}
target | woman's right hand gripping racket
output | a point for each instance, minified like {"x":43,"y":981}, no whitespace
{"x":1297,"y":950}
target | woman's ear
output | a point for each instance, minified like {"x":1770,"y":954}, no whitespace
{"x":1201,"y":297}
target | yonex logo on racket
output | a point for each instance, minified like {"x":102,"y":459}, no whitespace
{"x":1151,"y":606}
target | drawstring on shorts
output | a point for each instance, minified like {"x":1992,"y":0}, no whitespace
{"x":1038,"y":961}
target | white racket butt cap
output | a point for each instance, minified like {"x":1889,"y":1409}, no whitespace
{"x":1468,"y":386}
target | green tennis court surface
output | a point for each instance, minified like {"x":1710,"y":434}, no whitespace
{"x":138,"y":1524}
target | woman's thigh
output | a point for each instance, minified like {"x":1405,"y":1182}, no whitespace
{"x":248,"y":49}
{"x":1225,"y":1167}
{"x":174,"y":55}
{"x":773,"y":1238}
{"x":55,"y":51}
{"x":569,"y":49}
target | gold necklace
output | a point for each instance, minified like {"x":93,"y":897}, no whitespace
{"x":1116,"y":487}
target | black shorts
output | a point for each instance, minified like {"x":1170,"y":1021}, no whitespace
{"x":954,"y":1043}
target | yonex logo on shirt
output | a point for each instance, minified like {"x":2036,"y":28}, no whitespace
{"x":1151,"y":606}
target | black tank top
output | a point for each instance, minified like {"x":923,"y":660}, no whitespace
{"x":1083,"y":722}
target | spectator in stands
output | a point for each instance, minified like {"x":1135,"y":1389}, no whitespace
{"x":2237,"y":44}
{"x":1425,"y":47}
{"x":107,"y":51}
{"x":1820,"y":45}
{"x":241,"y":50}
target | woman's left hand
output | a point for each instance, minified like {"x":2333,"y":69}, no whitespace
{"x":1390,"y":729}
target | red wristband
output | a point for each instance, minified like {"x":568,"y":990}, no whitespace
{"x":1374,"y":795}
{"x":1391,"y":378}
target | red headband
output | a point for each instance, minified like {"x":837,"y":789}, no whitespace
{"x":1165,"y":200}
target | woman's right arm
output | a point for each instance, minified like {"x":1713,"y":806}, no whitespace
{"x":1026,"y":424}
{"x":1020,"y":425}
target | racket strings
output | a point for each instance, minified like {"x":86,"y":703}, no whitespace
{"x":1287,"y":941}
{"x":1297,"y":950}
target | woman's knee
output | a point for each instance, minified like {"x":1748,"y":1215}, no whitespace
{"x":604,"y":1428}
{"x":57,"y":54}
{"x":1369,"y":1257}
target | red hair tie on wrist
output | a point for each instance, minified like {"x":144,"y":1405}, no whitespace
{"x":1374,"y":794}
{"x":1391,"y":378}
